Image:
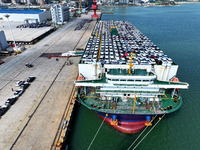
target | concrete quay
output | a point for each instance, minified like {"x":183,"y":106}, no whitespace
{"x":33,"y":121}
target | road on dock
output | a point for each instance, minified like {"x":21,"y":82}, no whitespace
{"x":32,"y":122}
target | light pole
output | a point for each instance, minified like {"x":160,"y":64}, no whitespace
{"x":7,"y":16}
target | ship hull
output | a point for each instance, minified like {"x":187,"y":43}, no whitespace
{"x":126,"y":123}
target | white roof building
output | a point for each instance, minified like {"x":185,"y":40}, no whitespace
{"x":123,"y":1}
{"x":24,"y":14}
{"x":59,"y":14}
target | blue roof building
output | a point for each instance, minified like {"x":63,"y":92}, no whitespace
{"x":25,"y":14}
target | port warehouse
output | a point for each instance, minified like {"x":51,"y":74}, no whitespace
{"x":23,"y":14}
{"x":34,"y":39}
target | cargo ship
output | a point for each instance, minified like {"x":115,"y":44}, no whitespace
{"x":126,"y":79}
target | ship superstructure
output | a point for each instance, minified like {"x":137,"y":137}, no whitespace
{"x":125,"y":78}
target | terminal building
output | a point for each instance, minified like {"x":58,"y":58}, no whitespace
{"x":22,"y":15}
{"x":59,"y":14}
{"x":3,"y":41}
{"x":22,"y":1}
{"x":3,"y":6}
{"x":123,"y":1}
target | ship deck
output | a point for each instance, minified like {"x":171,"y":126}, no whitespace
{"x":93,"y":101}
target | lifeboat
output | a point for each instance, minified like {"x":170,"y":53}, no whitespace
{"x":175,"y":79}
{"x":80,"y":77}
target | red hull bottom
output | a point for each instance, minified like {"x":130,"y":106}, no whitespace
{"x":126,"y":127}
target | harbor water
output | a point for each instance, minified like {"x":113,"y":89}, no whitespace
{"x":176,"y":30}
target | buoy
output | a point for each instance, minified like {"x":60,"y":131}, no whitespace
{"x":114,"y":123}
{"x":148,"y":123}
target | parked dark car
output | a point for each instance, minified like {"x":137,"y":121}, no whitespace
{"x":8,"y":103}
{"x":25,"y":85}
{"x":14,"y":98}
{"x":18,"y":92}
{"x":31,"y":79}
{"x":3,"y":109}
{"x":29,"y":65}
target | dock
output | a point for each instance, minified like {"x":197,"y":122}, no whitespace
{"x":107,"y":12}
{"x":35,"y":121}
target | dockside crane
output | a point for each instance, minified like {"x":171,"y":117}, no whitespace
{"x":80,"y":5}
{"x":94,"y":7}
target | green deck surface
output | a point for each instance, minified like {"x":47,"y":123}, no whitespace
{"x":93,"y":101}
{"x":124,"y":72}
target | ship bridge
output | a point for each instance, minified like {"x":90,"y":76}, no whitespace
{"x":104,"y":82}
{"x":137,"y":76}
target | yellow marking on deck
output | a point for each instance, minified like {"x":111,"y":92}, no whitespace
{"x":96,"y":33}
{"x":92,"y":92}
{"x":134,"y":103}
{"x":24,"y":118}
{"x":100,"y":44}
{"x":130,"y":64}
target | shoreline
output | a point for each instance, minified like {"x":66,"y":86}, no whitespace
{"x":187,"y":2}
{"x":151,"y":5}
{"x":136,"y":5}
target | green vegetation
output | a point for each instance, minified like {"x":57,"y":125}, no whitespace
{"x":165,"y":3}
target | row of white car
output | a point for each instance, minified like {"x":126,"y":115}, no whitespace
{"x":17,"y":93}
